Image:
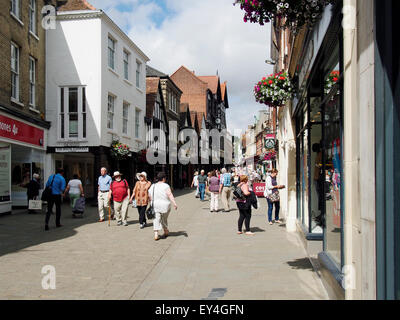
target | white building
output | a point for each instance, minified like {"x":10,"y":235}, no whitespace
{"x":96,"y":93}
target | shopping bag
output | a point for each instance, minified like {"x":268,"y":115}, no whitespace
{"x":35,"y":204}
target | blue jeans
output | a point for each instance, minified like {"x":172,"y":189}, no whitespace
{"x":271,"y":207}
{"x":202,"y":190}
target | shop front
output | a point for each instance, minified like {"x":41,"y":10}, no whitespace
{"x":318,"y":116}
{"x":22,"y":154}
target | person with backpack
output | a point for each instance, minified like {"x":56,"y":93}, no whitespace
{"x":244,"y":202}
{"x":55,"y":186}
{"x":120,"y":192}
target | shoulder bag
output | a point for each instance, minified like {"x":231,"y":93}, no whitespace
{"x":47,"y":192}
{"x":150,"y":213}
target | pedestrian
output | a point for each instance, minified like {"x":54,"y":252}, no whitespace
{"x":215,"y":191}
{"x":120,"y":192}
{"x":202,"y":179}
{"x":140,"y":195}
{"x":103,"y":190}
{"x":32,"y":192}
{"x":161,"y":196}
{"x":57,"y":184}
{"x":236,"y":179}
{"x":75,"y":190}
{"x":244,"y":206}
{"x":272,"y":194}
{"x":225,"y":189}
{"x":195,"y":183}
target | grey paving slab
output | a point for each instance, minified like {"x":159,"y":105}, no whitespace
{"x":203,"y":258}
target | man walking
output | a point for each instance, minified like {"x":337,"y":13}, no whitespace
{"x":57,"y":184}
{"x":121,"y":193}
{"x":104,"y":184}
{"x":202,"y":180}
{"x":225,"y":189}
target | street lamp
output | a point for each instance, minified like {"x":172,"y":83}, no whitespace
{"x":271,"y":62}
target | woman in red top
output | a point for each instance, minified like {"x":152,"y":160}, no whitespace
{"x":140,"y":194}
{"x":120,"y":192}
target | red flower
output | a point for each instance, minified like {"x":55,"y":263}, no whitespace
{"x":271,"y":82}
{"x":335,"y":79}
{"x":282,"y":78}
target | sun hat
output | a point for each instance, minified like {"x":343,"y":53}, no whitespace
{"x":116,"y":174}
{"x":141,"y":174}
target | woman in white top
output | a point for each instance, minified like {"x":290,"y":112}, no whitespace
{"x":162,"y":204}
{"x":75,"y":190}
{"x":195,"y":183}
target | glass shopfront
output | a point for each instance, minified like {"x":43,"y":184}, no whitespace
{"x":319,"y":127}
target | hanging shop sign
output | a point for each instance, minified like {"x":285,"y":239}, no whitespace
{"x":16,"y":130}
{"x":270,"y":141}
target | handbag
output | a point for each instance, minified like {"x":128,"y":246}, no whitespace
{"x":238,"y":193}
{"x":150,"y":213}
{"x":274,"y":197}
{"x":134,"y":205}
{"x":35,"y":205}
{"x":47,"y":192}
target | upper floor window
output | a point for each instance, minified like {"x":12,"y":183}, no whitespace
{"x":72,"y":112}
{"x":32,"y":82}
{"x":125,"y":117}
{"x":137,"y":123}
{"x":110,"y":112}
{"x":15,"y":71}
{"x":126,"y":65}
{"x":16,"y":8}
{"x":32,"y":16}
{"x":138,"y":73}
{"x":111,"y":53}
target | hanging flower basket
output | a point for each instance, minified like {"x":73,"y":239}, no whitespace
{"x":296,"y":12}
{"x":274,"y":90}
{"x":120,"y":151}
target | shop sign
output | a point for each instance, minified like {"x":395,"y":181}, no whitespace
{"x":19,"y":131}
{"x":72,"y":150}
{"x":259,"y":189}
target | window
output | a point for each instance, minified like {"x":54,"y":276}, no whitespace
{"x":137,"y":123}
{"x":32,"y":81}
{"x":110,"y":112}
{"x":32,"y":16}
{"x":138,"y":71}
{"x":15,"y":72}
{"x":126,"y":65}
{"x":72,"y":113}
{"x":15,"y":8}
{"x":111,"y":53}
{"x":125,"y":117}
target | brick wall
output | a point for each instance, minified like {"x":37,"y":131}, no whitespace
{"x":11,"y":30}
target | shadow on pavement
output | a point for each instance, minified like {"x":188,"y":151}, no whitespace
{"x":256,"y":229}
{"x":303,"y":264}
{"x":178,"y":234}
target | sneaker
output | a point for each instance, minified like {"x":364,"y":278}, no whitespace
{"x":125,"y":224}
{"x":119,"y":223}
{"x":142,"y":226}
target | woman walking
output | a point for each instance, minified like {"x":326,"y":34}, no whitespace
{"x":161,"y":196}
{"x":272,"y":194}
{"x":75,"y":190}
{"x":140,"y":194}
{"x":244,"y":206}
{"x":214,"y":190}
{"x":195,"y":183}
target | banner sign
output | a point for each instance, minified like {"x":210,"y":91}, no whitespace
{"x":19,"y":131}
{"x":259,"y":189}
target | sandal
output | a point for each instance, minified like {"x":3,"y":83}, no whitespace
{"x":270,"y":223}
{"x":239,"y":232}
{"x":250,"y":233}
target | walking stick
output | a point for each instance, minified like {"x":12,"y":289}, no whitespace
{"x":109,"y":215}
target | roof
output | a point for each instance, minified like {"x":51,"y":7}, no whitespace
{"x":223,"y":89}
{"x":152,"y":84}
{"x":212,"y":82}
{"x":151,"y":72}
{"x":74,"y":5}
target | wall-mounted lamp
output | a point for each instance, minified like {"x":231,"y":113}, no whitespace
{"x":272,"y":62}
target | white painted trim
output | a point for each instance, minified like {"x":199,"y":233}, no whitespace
{"x":16,"y":18}
{"x":33,"y":109}
{"x":17,"y":102}
{"x":113,"y":71}
{"x":34,"y":35}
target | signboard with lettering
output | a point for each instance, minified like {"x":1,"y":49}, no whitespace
{"x":72,"y":150}
{"x":259,"y":189}
{"x":16,"y":130}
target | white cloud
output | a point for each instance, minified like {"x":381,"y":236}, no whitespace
{"x":205,"y":36}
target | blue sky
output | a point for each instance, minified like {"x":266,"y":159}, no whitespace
{"x":205,"y":36}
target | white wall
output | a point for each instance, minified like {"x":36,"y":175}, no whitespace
{"x":72,"y":59}
{"x":113,"y":82}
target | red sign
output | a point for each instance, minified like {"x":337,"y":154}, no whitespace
{"x":259,"y":189}
{"x":19,"y":131}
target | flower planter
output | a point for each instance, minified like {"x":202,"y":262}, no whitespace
{"x":274,"y":90}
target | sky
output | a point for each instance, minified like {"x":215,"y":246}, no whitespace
{"x":206,"y":36}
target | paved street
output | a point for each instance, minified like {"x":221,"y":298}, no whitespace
{"x":203,"y":258}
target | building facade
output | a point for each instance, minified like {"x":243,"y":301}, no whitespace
{"x":338,"y":146}
{"x":96,"y":94}
{"x":23,"y":122}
